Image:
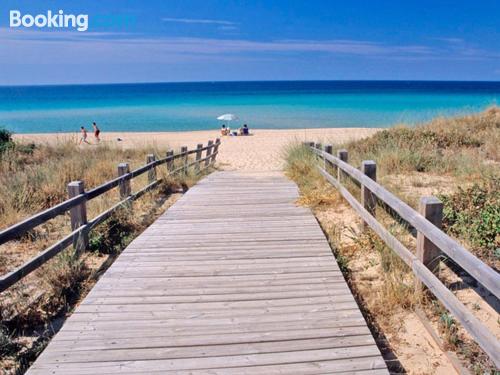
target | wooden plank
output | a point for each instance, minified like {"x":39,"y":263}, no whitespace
{"x":124,"y":316}
{"x":169,"y":311}
{"x":62,"y":345}
{"x":152,"y":286}
{"x":125,"y":290}
{"x":208,"y":298}
{"x":213,"y":362}
{"x":204,"y":350}
{"x":230,"y":263}
{"x":370,"y":365}
{"x":211,"y":306}
{"x":162,"y":330}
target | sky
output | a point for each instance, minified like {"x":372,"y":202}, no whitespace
{"x":212,"y":40}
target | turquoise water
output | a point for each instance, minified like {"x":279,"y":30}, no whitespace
{"x":195,"y":106}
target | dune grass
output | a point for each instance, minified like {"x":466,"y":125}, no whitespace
{"x":460,"y":146}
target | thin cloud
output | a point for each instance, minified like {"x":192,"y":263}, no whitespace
{"x":199,"y":21}
{"x":227,"y":28}
{"x":449,"y":40}
{"x":18,"y":46}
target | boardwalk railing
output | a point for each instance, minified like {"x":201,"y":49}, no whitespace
{"x":78,"y":199}
{"x":431,"y":241}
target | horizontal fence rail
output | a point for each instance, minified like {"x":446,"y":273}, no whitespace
{"x":429,"y":238}
{"x":80,"y":226}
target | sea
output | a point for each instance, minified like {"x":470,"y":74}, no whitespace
{"x":141,"y":107}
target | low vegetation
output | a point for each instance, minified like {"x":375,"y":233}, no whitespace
{"x":458,"y":160}
{"x":462,"y":147}
{"x":5,"y":140}
{"x":473,"y":215}
{"x":33,"y":178}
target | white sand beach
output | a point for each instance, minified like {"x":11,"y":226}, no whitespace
{"x":261,"y":150}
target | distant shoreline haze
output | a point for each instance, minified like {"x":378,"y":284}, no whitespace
{"x":262,"y":104}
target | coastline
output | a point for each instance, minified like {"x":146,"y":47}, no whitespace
{"x":262,"y":150}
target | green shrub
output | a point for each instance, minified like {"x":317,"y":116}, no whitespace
{"x":5,"y":136}
{"x":26,"y":148}
{"x":7,"y":345}
{"x":111,"y":237}
{"x":473,"y":214}
{"x":5,"y":140}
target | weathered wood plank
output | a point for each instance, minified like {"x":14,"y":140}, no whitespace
{"x":204,"y":350}
{"x":61,"y":344}
{"x":117,"y":367}
{"x":211,"y":306}
{"x":160,"y":330}
{"x":370,"y":365}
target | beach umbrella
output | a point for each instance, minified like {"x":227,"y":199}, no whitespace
{"x":227,"y":117}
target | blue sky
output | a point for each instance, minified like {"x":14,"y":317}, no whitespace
{"x":209,"y":40}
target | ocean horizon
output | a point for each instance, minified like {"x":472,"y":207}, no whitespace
{"x":187,"y":106}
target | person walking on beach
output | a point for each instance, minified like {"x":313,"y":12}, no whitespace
{"x":97,"y":131}
{"x":83,"y":137}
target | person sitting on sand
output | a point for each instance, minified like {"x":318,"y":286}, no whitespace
{"x":83,"y":137}
{"x":224,"y":131}
{"x":245,"y":130}
{"x":97,"y":131}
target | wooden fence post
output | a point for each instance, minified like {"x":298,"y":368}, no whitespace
{"x":124,"y":186}
{"x":368,"y":199}
{"x":209,"y":152}
{"x":184,"y":150}
{"x":344,"y":156}
{"x":432,"y":209}
{"x":170,"y":163}
{"x":311,"y":144}
{"x":216,"y":148}
{"x":198,"y":157}
{"x":152,"y":172}
{"x":328,"y":150}
{"x":78,"y":217}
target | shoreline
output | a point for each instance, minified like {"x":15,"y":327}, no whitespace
{"x":260,"y":151}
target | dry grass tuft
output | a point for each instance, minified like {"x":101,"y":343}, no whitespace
{"x":36,"y":179}
{"x":300,"y":167}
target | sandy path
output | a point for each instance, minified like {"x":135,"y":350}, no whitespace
{"x":260,"y":151}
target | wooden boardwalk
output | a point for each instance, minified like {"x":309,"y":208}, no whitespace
{"x":232,"y":279}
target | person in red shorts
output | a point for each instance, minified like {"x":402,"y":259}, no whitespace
{"x":97,"y":131}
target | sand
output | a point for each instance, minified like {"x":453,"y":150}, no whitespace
{"x":262,"y":150}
